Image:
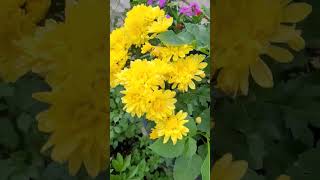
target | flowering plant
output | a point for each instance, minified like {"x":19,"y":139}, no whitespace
{"x":155,"y":67}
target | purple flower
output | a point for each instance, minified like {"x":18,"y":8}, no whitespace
{"x":193,"y":9}
{"x":168,"y":16}
{"x":162,"y":3}
{"x":150,"y":2}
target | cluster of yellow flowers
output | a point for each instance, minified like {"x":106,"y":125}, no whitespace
{"x":69,"y":56}
{"x":245,"y":30}
{"x":147,"y":82}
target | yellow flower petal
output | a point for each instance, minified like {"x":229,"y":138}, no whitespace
{"x":261,"y":73}
{"x":297,"y":43}
{"x":192,"y":85}
{"x":296,"y":12}
{"x":279,"y":54}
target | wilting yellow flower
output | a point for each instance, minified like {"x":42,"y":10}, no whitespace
{"x":186,"y":70}
{"x":245,"y":30}
{"x":171,"y":127}
{"x":71,"y":62}
{"x":141,"y":21}
{"x":226,"y":169}
{"x":16,"y":22}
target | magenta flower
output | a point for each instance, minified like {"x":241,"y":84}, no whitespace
{"x":193,"y":9}
{"x":162,"y":3}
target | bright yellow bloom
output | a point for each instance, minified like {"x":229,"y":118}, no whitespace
{"x":226,"y":169}
{"x":168,"y":53}
{"x":171,"y":127}
{"x":160,"y":104}
{"x":245,"y":30}
{"x":119,"y":47}
{"x":147,"y":74}
{"x":156,"y":104}
{"x":143,"y":20}
{"x":186,"y":70}
{"x":15,"y":23}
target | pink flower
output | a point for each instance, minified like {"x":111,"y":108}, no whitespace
{"x":193,"y":9}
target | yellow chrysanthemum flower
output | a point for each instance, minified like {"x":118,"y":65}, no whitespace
{"x":160,"y":104}
{"x":17,"y":22}
{"x":77,"y":120}
{"x":148,"y":74}
{"x":245,"y":30}
{"x":56,"y":47}
{"x":71,"y":63}
{"x":141,"y":21}
{"x":155,"y":103}
{"x":119,"y":47}
{"x":171,"y":127}
{"x":186,"y":70}
{"x":167,"y":53}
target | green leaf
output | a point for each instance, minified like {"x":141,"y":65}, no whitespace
{"x":186,"y":37}
{"x":133,"y":172}
{"x":187,"y":168}
{"x":126,"y":163}
{"x":190,"y":147}
{"x":205,"y":122}
{"x":168,"y":150}
{"x":205,"y":168}
{"x":191,"y":125}
{"x":170,"y":38}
